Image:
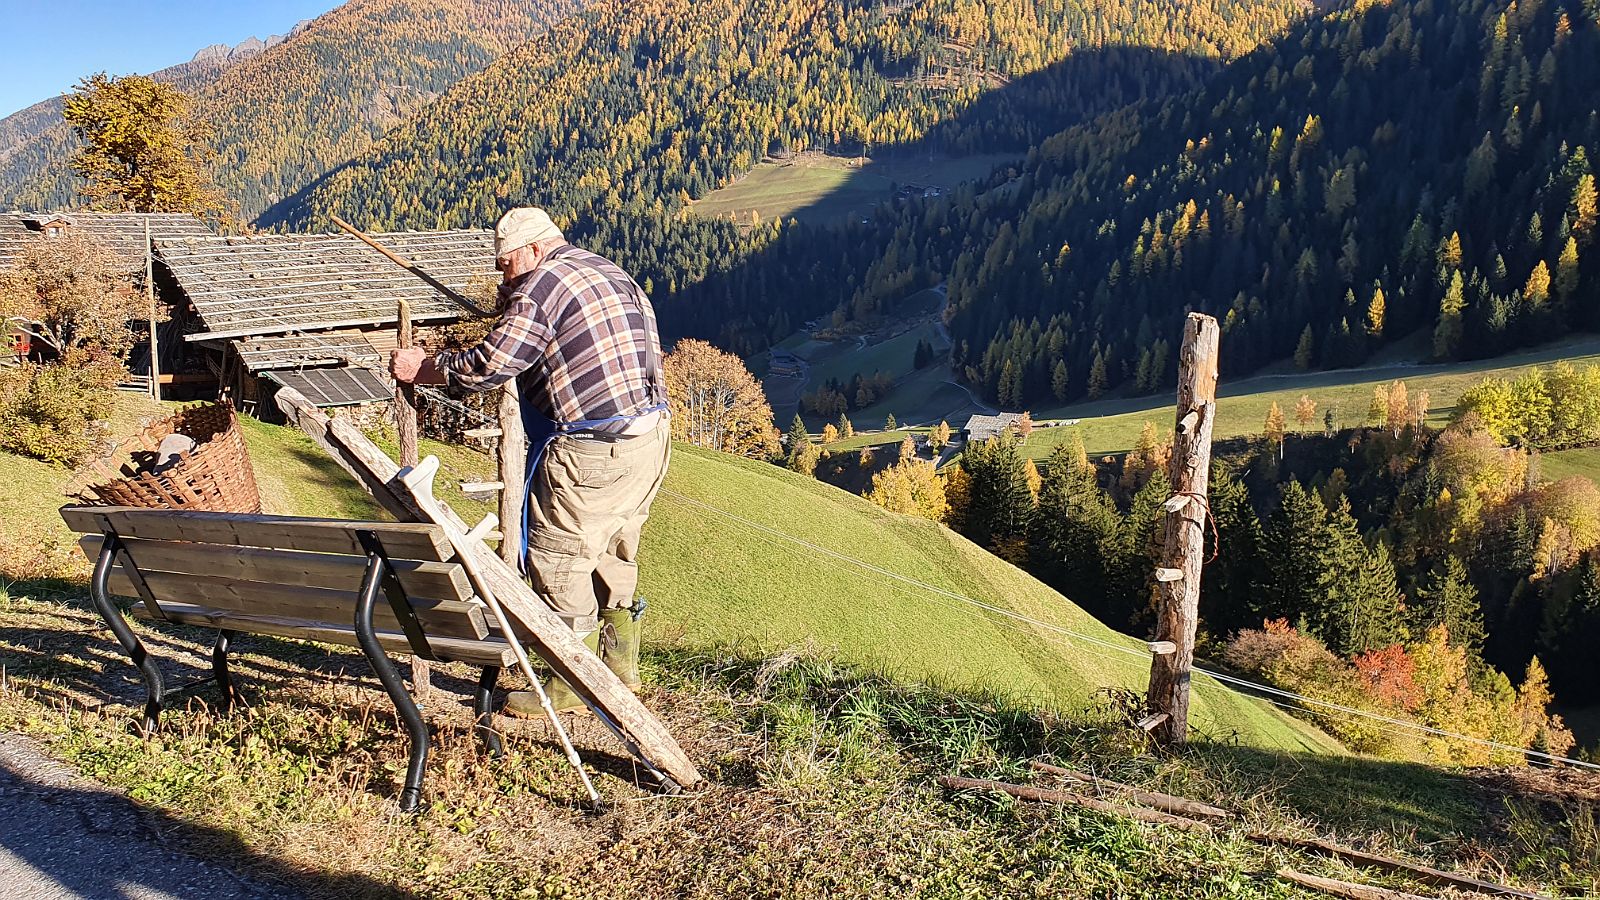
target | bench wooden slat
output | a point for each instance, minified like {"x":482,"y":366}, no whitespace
{"x":402,"y":540}
{"x":421,"y":580}
{"x":439,"y":618}
{"x":477,"y":653}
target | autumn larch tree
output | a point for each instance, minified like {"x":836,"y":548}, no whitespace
{"x":1305,"y":410}
{"x":141,"y":150}
{"x":716,"y":402}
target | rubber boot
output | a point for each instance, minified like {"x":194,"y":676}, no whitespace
{"x":525,"y":704}
{"x":619,"y":643}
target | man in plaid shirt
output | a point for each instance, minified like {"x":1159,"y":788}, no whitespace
{"x":580,"y":336}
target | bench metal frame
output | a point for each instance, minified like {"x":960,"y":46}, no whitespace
{"x":379,"y":576}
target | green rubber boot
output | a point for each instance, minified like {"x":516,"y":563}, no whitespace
{"x":619,"y":644}
{"x":525,"y":704}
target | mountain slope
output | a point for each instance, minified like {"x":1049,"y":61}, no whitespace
{"x":1323,"y":196}
{"x":284,"y":116}
{"x":618,"y":117}
{"x":35,"y":141}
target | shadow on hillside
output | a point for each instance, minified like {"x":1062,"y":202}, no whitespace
{"x":79,"y":841}
{"x":1006,"y":120}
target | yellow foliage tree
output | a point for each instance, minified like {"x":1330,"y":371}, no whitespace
{"x":716,"y":402}
{"x":912,"y":487}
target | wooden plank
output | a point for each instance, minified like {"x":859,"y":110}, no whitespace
{"x":445,"y":618}
{"x":481,"y":487}
{"x":1414,"y":870}
{"x":1177,"y":590}
{"x":422,"y":580}
{"x":549,"y":636}
{"x":1025,"y":792}
{"x":1347,"y":889}
{"x":1165,"y":802}
{"x":403,"y":540}
{"x":478,"y":653}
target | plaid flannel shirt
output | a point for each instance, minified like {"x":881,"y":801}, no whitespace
{"x":579,"y":332}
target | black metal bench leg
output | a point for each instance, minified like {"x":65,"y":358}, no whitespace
{"x":219,"y":668}
{"x":99,"y":593}
{"x":416,"y":728}
{"x":483,"y":705}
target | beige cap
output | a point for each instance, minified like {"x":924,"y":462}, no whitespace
{"x":523,"y":226}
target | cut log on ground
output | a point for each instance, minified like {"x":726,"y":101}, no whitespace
{"x":546,"y":634}
{"x":1166,"y":802}
{"x":1347,"y":889}
{"x":1041,"y":795}
{"x":1419,"y":872}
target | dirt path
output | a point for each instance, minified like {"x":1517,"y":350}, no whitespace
{"x":64,"y":837}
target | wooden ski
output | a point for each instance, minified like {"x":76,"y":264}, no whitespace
{"x":640,"y":732}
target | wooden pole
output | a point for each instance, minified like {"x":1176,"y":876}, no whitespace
{"x":405,"y":425}
{"x":1040,"y":795}
{"x":1178,"y":600}
{"x":511,"y":459}
{"x":150,"y":296}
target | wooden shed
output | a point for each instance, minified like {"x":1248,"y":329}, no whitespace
{"x":316,"y":311}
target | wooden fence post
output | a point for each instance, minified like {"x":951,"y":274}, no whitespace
{"x":405,"y":426}
{"x":1182,"y":556}
{"x":150,"y":301}
{"x":511,"y":459}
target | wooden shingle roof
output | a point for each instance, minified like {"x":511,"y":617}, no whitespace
{"x":121,"y":233}
{"x":293,"y":351}
{"x":270,"y":284}
{"x":14,"y":237}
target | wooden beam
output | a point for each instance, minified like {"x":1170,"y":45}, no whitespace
{"x":1178,"y":600}
{"x":1347,"y":889}
{"x":293,"y":568}
{"x":511,"y":458}
{"x":546,"y":633}
{"x":1165,"y":802}
{"x":1414,"y":870}
{"x":1023,"y":792}
{"x":406,"y":540}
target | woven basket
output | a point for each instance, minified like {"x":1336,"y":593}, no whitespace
{"x":216,"y":476}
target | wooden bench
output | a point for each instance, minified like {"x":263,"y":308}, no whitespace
{"x":287,"y":576}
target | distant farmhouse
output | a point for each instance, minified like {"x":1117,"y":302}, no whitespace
{"x":786,"y":365}
{"x":121,"y":233}
{"x":982,"y":428}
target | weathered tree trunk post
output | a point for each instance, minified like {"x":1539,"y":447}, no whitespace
{"x":150,"y":297}
{"x":405,"y":426}
{"x":1178,"y":578}
{"x":512,"y":460}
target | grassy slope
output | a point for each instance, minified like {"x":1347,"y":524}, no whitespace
{"x":716,"y":582}
{"x":722,"y":581}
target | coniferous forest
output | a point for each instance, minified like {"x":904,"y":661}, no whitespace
{"x":1380,"y":170}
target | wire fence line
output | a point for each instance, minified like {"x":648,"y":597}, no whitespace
{"x":1311,"y":704}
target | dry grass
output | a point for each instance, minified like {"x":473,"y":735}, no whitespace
{"x":820,"y":784}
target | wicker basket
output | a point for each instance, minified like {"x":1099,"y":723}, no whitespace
{"x":215,"y":476}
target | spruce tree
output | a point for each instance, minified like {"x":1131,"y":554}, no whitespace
{"x":1295,"y":538}
{"x":1138,"y":546}
{"x":1001,"y":504}
{"x":1232,"y":590}
{"x":1447,"y":598}
{"x":1075,"y":527}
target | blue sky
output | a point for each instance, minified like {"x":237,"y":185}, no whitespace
{"x":50,"y":44}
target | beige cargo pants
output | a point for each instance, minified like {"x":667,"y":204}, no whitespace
{"x":590,"y":499}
